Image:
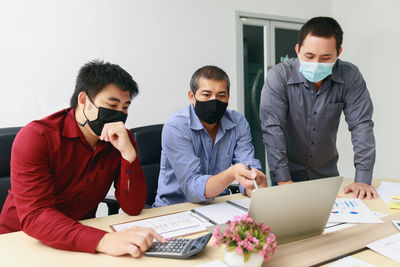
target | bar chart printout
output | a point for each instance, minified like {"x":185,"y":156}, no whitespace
{"x":352,"y":210}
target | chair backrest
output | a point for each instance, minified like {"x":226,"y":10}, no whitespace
{"x":7,"y":136}
{"x":148,"y":140}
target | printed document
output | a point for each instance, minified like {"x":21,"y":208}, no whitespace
{"x":389,"y":247}
{"x":170,"y":225}
{"x":352,"y":210}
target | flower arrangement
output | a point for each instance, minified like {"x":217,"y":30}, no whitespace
{"x":246,"y":236}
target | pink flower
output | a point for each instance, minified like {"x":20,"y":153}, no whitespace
{"x":245,"y":235}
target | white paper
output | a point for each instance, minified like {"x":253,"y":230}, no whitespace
{"x":352,"y":210}
{"x":351,"y":262}
{"x":170,"y":225}
{"x":333,"y":227}
{"x":221,"y":212}
{"x":386,"y":190}
{"x":389,"y":247}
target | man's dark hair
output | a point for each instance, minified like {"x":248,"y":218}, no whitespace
{"x":97,"y":74}
{"x":208,"y":72}
{"x":322,"y":27}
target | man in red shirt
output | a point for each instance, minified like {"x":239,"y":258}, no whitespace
{"x":62,"y":166}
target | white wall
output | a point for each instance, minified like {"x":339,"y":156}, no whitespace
{"x":372,"y":42}
{"x":43,"y":43}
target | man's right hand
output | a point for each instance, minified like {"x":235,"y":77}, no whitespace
{"x":245,"y":176}
{"x":134,"y":241}
{"x":285,"y":182}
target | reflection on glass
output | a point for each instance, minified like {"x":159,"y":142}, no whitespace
{"x":285,"y":41}
{"x":253,"y":51}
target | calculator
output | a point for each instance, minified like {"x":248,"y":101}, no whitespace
{"x":178,"y":248}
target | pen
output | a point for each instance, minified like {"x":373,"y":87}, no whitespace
{"x":254,"y":180}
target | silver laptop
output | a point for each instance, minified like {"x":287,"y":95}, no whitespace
{"x":295,"y":211}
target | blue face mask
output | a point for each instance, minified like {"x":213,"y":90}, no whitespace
{"x":315,"y":71}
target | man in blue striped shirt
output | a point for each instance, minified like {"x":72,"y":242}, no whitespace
{"x":206,"y":147}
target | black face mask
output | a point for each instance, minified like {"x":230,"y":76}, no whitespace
{"x":105,"y":115}
{"x":210,"y":111}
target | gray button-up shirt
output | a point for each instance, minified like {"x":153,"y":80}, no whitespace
{"x":300,"y":124}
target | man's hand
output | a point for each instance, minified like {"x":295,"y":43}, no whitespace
{"x":116,"y":133}
{"x":285,"y":182}
{"x":245,"y":176}
{"x":134,"y":241}
{"x":361,"y":190}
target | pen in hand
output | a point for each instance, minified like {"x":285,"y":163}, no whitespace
{"x":254,"y":180}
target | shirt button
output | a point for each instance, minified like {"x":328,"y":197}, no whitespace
{"x":128,"y":171}
{"x":314,"y":129}
{"x":312,"y":143}
{"x":315,"y":112}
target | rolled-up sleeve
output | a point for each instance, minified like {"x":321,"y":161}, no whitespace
{"x":358,"y":110}
{"x":273,"y":113}
{"x":178,"y":147}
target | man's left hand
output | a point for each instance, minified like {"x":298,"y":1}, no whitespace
{"x":361,"y":190}
{"x":117,"y":135}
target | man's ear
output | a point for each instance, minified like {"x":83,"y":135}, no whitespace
{"x":191,"y":97}
{"x":82,"y":98}
{"x":297,"y":49}
{"x":340,"y":51}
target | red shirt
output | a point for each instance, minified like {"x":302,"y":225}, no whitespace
{"x":57,"y":178}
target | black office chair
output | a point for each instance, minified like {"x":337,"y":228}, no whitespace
{"x":148,"y":140}
{"x":7,"y":136}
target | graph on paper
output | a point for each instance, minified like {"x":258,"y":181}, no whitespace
{"x":352,"y":210}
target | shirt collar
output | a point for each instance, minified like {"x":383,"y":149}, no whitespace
{"x":195,"y":123}
{"x":337,"y":74}
{"x":297,"y":77}
{"x":72,"y":130}
{"x":70,"y":126}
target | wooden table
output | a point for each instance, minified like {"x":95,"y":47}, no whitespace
{"x":18,"y":249}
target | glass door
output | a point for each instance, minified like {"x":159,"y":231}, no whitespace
{"x":264,"y":43}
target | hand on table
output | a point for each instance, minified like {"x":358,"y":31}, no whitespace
{"x":134,"y":241}
{"x":361,"y":190}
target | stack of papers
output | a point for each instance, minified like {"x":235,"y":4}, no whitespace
{"x":352,"y":210}
{"x":387,"y":190}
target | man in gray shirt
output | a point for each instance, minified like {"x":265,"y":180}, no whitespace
{"x":301,"y":103}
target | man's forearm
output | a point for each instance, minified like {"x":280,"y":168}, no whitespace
{"x":218,"y":183}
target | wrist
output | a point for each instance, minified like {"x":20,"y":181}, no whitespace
{"x":102,"y":243}
{"x":129,"y":154}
